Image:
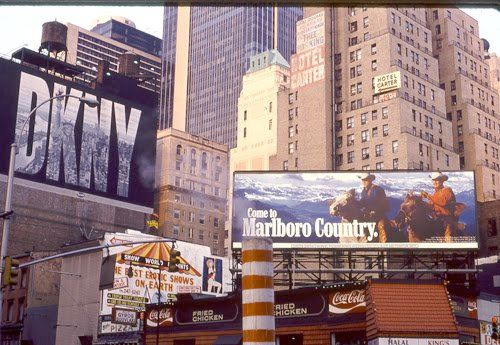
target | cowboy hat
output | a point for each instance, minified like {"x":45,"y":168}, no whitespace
{"x":366,"y":176}
{"x":438,"y":176}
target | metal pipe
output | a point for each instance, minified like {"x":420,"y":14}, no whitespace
{"x":388,"y":270}
{"x":91,"y":249}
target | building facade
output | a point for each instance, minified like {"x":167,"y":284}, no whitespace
{"x":191,"y":188}
{"x":124,"y":30}
{"x":206,"y":52}
{"x":471,"y":101}
{"x":87,"y":48}
{"x":373,"y":128}
{"x":258,"y":105}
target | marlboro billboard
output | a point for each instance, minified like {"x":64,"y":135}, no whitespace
{"x":412,"y":209}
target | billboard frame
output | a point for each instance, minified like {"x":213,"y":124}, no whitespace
{"x":398,"y":246}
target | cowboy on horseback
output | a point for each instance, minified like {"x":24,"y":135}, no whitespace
{"x":374,"y":204}
{"x":443,"y":204}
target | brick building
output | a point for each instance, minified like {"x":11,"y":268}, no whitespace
{"x":191,"y":188}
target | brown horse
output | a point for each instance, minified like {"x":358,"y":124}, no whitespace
{"x":422,"y":223}
{"x":348,"y":207}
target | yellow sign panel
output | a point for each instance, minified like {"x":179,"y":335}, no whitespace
{"x":387,"y":82}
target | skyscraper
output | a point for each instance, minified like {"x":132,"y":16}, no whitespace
{"x":206,"y":52}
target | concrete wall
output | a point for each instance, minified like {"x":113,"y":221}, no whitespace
{"x":79,"y":298}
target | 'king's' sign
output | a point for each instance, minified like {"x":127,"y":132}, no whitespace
{"x":107,"y":150}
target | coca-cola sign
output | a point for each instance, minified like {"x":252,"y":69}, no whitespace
{"x":347,"y":301}
{"x":166,"y":317}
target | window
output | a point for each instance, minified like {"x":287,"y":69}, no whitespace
{"x":178,"y":165}
{"x":200,"y":235}
{"x":177,"y":214}
{"x":365,"y":136}
{"x":178,"y":151}
{"x":353,"y":27}
{"x":244,"y":115}
{"x":290,"y":98}
{"x":350,"y":122}
{"x":359,"y":87}
{"x":175,"y":230}
{"x":191,"y":217}
{"x":364,"y":118}
{"x":385,"y":112}
{"x":385,"y":130}
{"x":366,"y":36}
{"x":453,"y":100}
{"x":353,"y":89}
{"x":270,"y":107}
{"x":492,"y":227}
{"x":374,"y":114}
{"x":350,"y":157}
{"x":244,"y":132}
{"x":374,"y":65}
{"x":460,"y":130}
{"x":379,"y":150}
{"x":291,"y":131}
{"x":290,"y":114}
{"x":374,"y":132}
{"x":438,"y":29}
{"x":177,"y":181}
{"x":365,"y":153}
{"x":290,"y":148}
{"x":447,"y":160}
{"x":448,"y":14}
{"x":399,"y":48}
{"x":379,"y":166}
{"x":374,"y":49}
{"x":395,"y":164}
{"x":339,"y":159}
{"x":285,"y":165}
{"x":216,"y":222}
{"x":20,"y":313}
{"x":353,"y":41}
{"x":350,"y":139}
{"x":270,"y":124}
{"x":338,"y":142}
{"x":366,"y":22}
{"x":435,"y":14}
{"x":358,"y":70}
{"x":459,"y":115}
{"x":439,"y":43}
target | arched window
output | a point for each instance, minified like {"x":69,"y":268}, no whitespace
{"x":179,"y":149}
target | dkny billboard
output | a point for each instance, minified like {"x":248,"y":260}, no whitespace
{"x":108,"y":150}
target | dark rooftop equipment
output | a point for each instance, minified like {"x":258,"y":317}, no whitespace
{"x":54,"y":35}
{"x":41,"y":61}
{"x":486,"y":46}
{"x":128,"y":64}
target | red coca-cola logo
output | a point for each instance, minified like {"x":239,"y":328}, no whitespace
{"x":165,"y":316}
{"x":343,"y":302}
{"x":351,"y":297}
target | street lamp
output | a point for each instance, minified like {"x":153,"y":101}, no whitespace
{"x":14,"y":150}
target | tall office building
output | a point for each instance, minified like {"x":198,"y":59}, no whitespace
{"x":381,"y":107}
{"x":206,"y":52}
{"x":87,"y":48}
{"x":471,"y":101}
{"x":123,"y":30}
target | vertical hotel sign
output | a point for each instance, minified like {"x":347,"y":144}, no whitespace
{"x":308,"y":65}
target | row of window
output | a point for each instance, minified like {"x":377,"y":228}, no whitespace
{"x":191,"y":201}
{"x":176,"y":230}
{"x":192,"y":186}
{"x":178,"y":214}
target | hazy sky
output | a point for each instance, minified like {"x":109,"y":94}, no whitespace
{"x":22,"y":25}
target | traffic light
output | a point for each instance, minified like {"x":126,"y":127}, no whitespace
{"x":174,"y":260}
{"x":494,"y":328}
{"x":11,"y":271}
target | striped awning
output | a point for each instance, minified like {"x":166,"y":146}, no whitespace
{"x":159,"y":251}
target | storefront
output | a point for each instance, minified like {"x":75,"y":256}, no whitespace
{"x":342,"y":314}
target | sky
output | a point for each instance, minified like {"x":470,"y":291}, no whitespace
{"x":22,"y":25}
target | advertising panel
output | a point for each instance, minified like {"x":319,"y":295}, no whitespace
{"x":308,"y":65}
{"x":108,"y":150}
{"x":387,"y":82}
{"x":386,"y":209}
{"x":347,"y":301}
{"x":413,"y":341}
{"x":141,"y":274}
{"x":486,"y":330}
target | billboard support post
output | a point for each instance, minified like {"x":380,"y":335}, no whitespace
{"x":10,"y":181}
